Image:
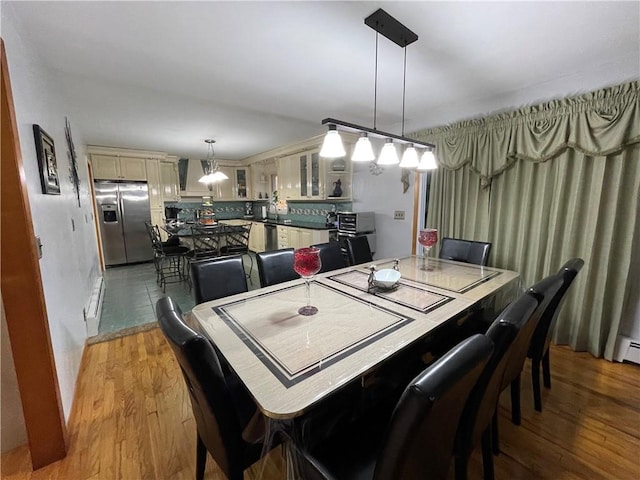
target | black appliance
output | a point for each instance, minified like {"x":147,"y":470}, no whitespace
{"x":355,"y":224}
{"x":171,"y":213}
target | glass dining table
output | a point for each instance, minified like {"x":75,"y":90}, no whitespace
{"x":290,"y":362}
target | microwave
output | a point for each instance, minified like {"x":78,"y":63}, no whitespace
{"x":356,"y":222}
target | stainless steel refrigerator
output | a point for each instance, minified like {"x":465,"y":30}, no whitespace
{"x":123,"y":207}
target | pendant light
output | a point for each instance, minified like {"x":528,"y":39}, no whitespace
{"x":363,"y":152}
{"x":428,"y":161}
{"x":332,"y":147}
{"x":213,"y":173}
{"x":409,"y":158}
{"x":388,"y":154}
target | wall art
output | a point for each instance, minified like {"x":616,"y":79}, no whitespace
{"x":47,"y":162}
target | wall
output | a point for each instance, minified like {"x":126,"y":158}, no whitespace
{"x":70,"y":263}
{"x":12,"y":429}
{"x":383,"y":195}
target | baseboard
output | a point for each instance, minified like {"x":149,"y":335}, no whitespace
{"x":94,"y":308}
{"x":627,"y":350}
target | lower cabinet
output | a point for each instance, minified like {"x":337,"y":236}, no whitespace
{"x":294,"y":237}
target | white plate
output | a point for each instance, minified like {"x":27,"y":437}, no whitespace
{"x":386,"y":278}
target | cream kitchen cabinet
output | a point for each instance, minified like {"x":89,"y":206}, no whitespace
{"x":237,"y":187}
{"x":295,"y":237}
{"x":116,"y":167}
{"x":311,"y":184}
{"x":153,"y":182}
{"x":169,"y":181}
{"x":288,"y":178}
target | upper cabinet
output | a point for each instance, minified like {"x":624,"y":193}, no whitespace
{"x":169,"y":180}
{"x":116,"y":167}
{"x":307,"y":176}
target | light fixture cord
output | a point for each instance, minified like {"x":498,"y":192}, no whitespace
{"x":404,"y":86}
{"x":375,"y":85}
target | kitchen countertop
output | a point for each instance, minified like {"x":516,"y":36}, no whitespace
{"x":296,"y":223}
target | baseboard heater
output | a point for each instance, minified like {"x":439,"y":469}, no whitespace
{"x":628,"y":350}
{"x":94,"y":308}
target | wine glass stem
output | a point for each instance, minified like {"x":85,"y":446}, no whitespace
{"x":307,"y":281}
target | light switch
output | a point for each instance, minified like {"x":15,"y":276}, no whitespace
{"x":398,"y":215}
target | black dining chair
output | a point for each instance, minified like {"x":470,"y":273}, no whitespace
{"x":417,"y":441}
{"x":237,"y":242}
{"x":543,"y":292}
{"x":468,"y":251}
{"x":276,"y":267}
{"x":217,"y":278}
{"x":168,"y":258}
{"x":221,"y":406}
{"x":476,"y":421}
{"x":539,"y":347}
{"x":358,"y":250}
{"x":331,"y":256}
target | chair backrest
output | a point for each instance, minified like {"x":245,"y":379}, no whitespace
{"x":468,"y":251}
{"x":483,"y":399}
{"x":206,"y":242}
{"x":154,"y":235}
{"x":217,"y":278}
{"x":358,"y":250}
{"x":213,"y":407}
{"x":543,"y":291}
{"x":331,"y":256}
{"x":423,"y":426}
{"x":237,"y":238}
{"x":276,"y":267}
{"x":541,"y":336}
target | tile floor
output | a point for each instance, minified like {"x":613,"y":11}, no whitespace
{"x":131,"y":293}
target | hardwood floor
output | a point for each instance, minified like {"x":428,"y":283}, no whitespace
{"x":132,"y":420}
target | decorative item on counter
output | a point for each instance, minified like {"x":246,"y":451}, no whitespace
{"x":260,"y":195}
{"x":206,"y":201}
{"x":337,"y":189}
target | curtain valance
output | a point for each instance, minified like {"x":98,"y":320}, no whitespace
{"x":598,"y":123}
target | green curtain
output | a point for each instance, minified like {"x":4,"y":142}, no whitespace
{"x":544,"y":184}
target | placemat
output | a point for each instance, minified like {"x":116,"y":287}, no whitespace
{"x":293,"y":346}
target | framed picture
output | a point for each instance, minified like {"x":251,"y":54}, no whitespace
{"x":47,"y":161}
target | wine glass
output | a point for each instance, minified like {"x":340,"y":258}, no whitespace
{"x":428,"y":238}
{"x":306,"y":263}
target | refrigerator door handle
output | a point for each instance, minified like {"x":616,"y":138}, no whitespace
{"x":121,"y":211}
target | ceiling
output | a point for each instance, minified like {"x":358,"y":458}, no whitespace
{"x":257,"y":75}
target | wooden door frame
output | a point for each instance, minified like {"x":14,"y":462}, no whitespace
{"x":23,"y":296}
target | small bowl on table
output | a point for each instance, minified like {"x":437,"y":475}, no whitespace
{"x":387,"y":278}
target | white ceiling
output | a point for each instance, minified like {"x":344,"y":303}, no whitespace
{"x":256,"y":75}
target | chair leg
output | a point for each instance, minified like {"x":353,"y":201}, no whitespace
{"x":201,"y":458}
{"x":515,"y":401}
{"x":461,"y":466}
{"x":546,"y":370}
{"x":535,"y":382}
{"x":495,"y":437}
{"x":487,"y":454}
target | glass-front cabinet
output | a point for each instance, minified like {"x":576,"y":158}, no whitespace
{"x":310,"y":178}
{"x":236,"y":187}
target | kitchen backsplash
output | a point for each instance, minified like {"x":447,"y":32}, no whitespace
{"x":302,"y":211}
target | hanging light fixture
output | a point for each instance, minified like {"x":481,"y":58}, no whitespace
{"x":363,"y":152}
{"x":409,"y":158}
{"x":212,"y":172}
{"x":428,"y":161}
{"x":389,"y":27}
{"x":332,"y":146}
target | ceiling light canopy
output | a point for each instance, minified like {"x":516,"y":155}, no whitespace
{"x":212,"y":172}
{"x":332,"y":147}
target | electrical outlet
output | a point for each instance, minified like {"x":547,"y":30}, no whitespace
{"x":398,"y":215}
